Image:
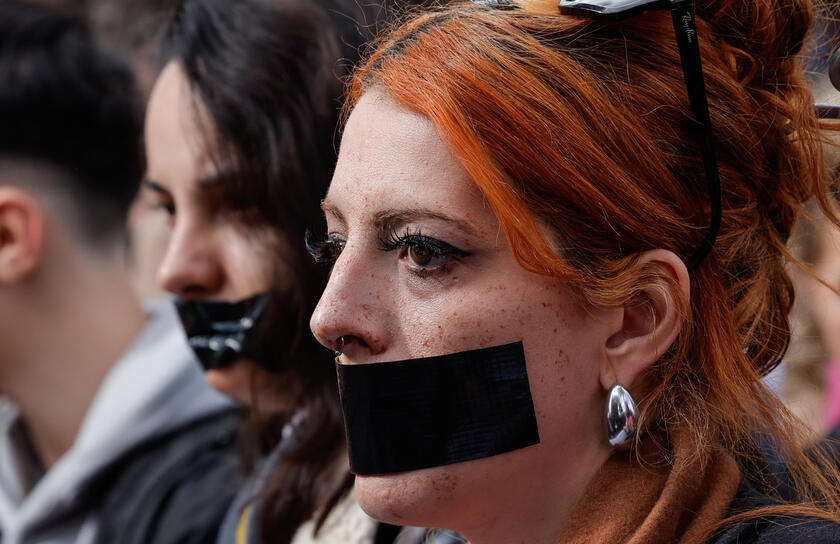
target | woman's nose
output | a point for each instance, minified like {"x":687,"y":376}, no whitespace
{"x":350,"y":309}
{"x":191,"y":266}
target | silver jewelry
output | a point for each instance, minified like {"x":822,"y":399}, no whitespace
{"x":621,"y":417}
{"x":340,"y":349}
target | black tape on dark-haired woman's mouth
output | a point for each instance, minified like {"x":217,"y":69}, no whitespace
{"x":435,"y":411}
{"x":221,"y":332}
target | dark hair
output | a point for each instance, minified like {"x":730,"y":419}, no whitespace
{"x":133,"y":29}
{"x":270,"y":75}
{"x":67,"y":103}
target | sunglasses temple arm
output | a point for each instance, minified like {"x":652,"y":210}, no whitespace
{"x":685,"y":27}
{"x":828,"y":111}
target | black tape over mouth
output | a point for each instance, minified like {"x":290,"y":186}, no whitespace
{"x":221,"y":332}
{"x":435,"y":411}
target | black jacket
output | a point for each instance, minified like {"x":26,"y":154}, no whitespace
{"x":177,"y":490}
{"x":774,"y":530}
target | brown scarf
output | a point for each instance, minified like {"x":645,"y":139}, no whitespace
{"x":639,"y":500}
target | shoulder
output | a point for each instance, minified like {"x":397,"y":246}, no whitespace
{"x":178,"y":488}
{"x":778,"y":529}
{"x":781,"y":531}
{"x":241,"y":521}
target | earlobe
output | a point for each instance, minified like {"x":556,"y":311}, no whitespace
{"x":21,"y":235}
{"x":650,"y":322}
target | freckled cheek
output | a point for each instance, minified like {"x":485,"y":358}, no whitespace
{"x":562,"y":363}
{"x":487,"y":317}
{"x":564,"y":378}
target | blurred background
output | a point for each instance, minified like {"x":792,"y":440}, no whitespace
{"x":809,"y":377}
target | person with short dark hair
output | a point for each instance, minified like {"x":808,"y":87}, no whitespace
{"x":108,"y":432}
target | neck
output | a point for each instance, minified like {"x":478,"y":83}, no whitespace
{"x":644,"y":495}
{"x":512,"y":507}
{"x":535,"y":514}
{"x":75,"y":327}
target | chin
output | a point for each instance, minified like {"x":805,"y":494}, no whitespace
{"x":424,"y":498}
{"x":459,"y":496}
{"x":233,"y":380}
{"x":250,"y":385}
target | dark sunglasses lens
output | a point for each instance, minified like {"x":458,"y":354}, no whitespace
{"x":834,"y":69}
{"x":613,"y":9}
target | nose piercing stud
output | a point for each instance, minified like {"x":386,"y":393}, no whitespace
{"x":340,"y":349}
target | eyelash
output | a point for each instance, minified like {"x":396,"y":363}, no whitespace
{"x":393,"y":241}
{"x":327,"y":250}
{"x":441,"y":255}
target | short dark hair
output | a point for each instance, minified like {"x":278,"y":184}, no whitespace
{"x":67,"y":103}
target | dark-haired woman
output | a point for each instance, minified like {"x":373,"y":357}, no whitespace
{"x":541,"y":217}
{"x":240,"y":139}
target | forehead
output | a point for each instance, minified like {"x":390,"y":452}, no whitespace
{"x":392,"y":157}
{"x":177,"y":127}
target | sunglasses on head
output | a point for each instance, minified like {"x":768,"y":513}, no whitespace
{"x":685,"y":28}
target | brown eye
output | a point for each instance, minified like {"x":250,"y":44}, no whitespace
{"x":421,"y":255}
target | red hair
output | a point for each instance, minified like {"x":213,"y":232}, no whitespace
{"x":585,"y":127}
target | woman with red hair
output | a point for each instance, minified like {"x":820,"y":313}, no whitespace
{"x":537,"y":234}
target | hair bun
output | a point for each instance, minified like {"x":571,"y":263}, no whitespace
{"x":764,"y":35}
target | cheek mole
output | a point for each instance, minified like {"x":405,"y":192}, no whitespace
{"x":561,"y":361}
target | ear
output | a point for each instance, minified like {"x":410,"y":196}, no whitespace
{"x":21,"y":235}
{"x":650,"y":322}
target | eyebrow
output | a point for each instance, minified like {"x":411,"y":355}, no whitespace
{"x":207,"y":183}
{"x":392,"y":219}
{"x":331,"y":209}
{"x":156,"y":187}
